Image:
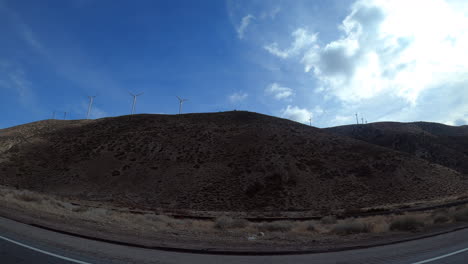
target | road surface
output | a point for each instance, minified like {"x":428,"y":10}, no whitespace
{"x":20,"y":243}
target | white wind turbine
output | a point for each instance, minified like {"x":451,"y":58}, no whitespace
{"x":181,"y":101}
{"x":91,"y":99}
{"x":134,"y":101}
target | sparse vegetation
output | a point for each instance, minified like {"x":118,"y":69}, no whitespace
{"x":328,"y":220}
{"x":352,"y":227}
{"x":440,"y":216}
{"x":225,"y":222}
{"x":406,"y":223}
{"x":79,"y":209}
{"x":277,"y":226}
{"x":310,"y":226}
{"x":440,"y":219}
{"x":461,"y":215}
{"x":27,"y":196}
{"x":150,"y":223}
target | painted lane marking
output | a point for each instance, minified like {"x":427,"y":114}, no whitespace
{"x":441,"y":257}
{"x":44,"y":252}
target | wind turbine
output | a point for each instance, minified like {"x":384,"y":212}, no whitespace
{"x":134,"y":101}
{"x":64,"y":115}
{"x":310,"y":121}
{"x":362,"y":119}
{"x":91,"y":99}
{"x":357,"y":119}
{"x":181,"y":101}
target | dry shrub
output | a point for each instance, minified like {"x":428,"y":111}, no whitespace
{"x":159,"y":218}
{"x":461,"y":215}
{"x":440,"y":219}
{"x":328,"y":220}
{"x":277,"y":226}
{"x":353,"y":227}
{"x":440,"y":211}
{"x":407,"y":223}
{"x":27,"y":197}
{"x":97,"y":213}
{"x":310,"y":226}
{"x":80,"y":209}
{"x":440,"y":216}
{"x":225,"y":222}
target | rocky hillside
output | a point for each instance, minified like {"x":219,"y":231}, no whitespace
{"x":436,"y":143}
{"x":231,"y":161}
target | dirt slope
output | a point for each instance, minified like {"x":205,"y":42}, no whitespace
{"x":231,"y":161}
{"x":437,"y":143}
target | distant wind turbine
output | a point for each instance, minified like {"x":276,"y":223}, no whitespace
{"x":134,"y":101}
{"x":357,"y":119}
{"x":181,"y":101}
{"x":91,"y":99}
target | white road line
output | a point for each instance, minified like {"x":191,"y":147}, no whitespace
{"x":441,"y":257}
{"x":44,"y":252}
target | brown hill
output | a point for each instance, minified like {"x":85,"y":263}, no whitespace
{"x":437,"y":143}
{"x":231,"y":161}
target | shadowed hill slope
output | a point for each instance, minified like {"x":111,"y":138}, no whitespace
{"x":231,"y":161}
{"x":437,"y":143}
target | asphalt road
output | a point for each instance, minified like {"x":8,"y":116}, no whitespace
{"x":21,"y":243}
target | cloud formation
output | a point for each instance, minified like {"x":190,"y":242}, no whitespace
{"x":405,"y":51}
{"x":297,"y":114}
{"x":279,"y":92}
{"x":243,"y":25}
{"x":302,"y":40}
{"x":12,"y":77}
{"x":238,"y":97}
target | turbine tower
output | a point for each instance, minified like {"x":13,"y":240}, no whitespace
{"x":64,"y":115}
{"x":181,"y":101}
{"x":357,"y":119}
{"x":91,"y":99}
{"x":362,"y":119}
{"x":310,"y":121}
{"x":134,"y":101}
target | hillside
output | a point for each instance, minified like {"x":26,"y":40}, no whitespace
{"x":436,"y":143}
{"x":230,"y":161}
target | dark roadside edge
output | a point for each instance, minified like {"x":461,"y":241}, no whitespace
{"x":224,"y":251}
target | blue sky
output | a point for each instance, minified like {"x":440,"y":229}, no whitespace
{"x":324,"y":60}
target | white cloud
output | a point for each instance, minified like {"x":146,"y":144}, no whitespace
{"x":405,"y":53}
{"x":297,"y":114}
{"x":270,"y":13}
{"x":279,"y":92}
{"x":318,"y":110}
{"x":342,"y":120}
{"x":238,"y":97}
{"x":387,"y":47}
{"x":12,"y":77}
{"x":302,"y":40}
{"x":243,"y":25}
